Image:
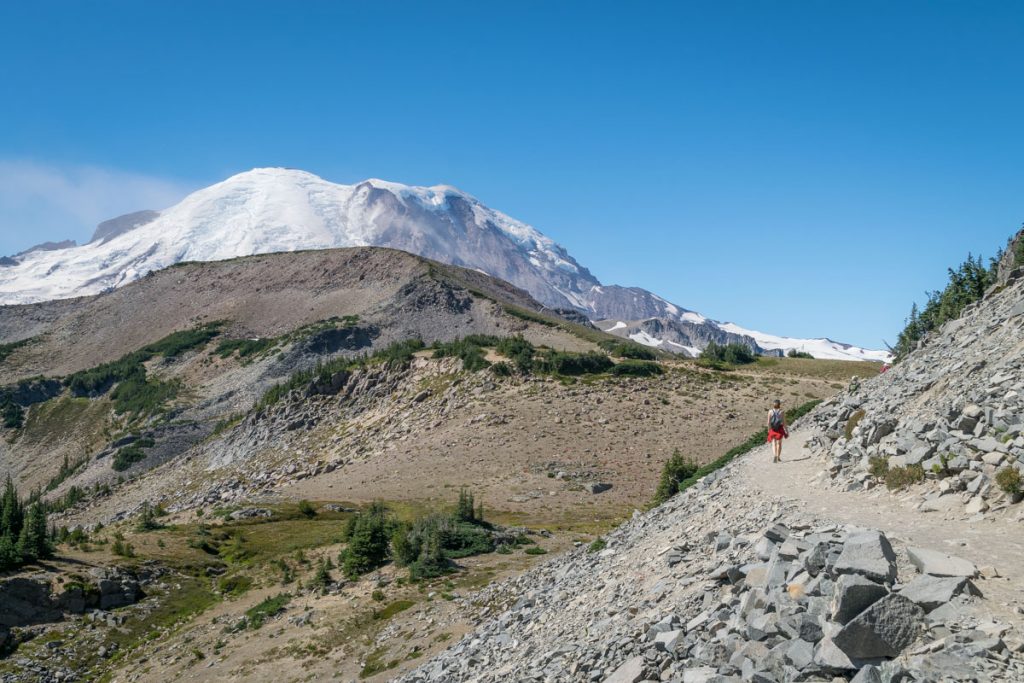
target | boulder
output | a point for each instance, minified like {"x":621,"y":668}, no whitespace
{"x":869,"y":554}
{"x":931,"y":592}
{"x":882,"y":630}
{"x":668,"y":640}
{"x":631,"y":671}
{"x":117,"y":588}
{"x":700,"y":674}
{"x":852,"y":595}
{"x":936,"y":563}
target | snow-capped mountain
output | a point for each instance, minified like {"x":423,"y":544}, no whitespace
{"x":274,"y":209}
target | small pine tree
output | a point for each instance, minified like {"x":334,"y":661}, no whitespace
{"x":33,"y":541}
{"x":676,"y":470}
{"x":432,"y":561}
{"x":464,"y":509}
{"x":368,"y":542}
{"x":323,"y":577}
{"x":9,"y":557}
{"x":12,"y":513}
{"x":147,"y":518}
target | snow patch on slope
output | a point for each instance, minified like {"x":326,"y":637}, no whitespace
{"x":819,"y":348}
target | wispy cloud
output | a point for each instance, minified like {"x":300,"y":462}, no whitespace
{"x":42,"y":202}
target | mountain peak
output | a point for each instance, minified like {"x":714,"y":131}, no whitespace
{"x":276,"y":209}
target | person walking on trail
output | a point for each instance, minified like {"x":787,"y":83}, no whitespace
{"x":777,"y":429}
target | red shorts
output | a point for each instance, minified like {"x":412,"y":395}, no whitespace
{"x":776,"y":436}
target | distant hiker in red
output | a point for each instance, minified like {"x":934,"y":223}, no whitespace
{"x":777,"y":429}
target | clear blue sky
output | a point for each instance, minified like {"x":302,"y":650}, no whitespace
{"x":803,"y":168}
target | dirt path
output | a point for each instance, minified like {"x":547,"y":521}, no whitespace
{"x":993,"y":541}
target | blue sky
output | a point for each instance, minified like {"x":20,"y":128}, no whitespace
{"x":803,"y":168}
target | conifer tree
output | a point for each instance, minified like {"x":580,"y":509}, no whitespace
{"x":9,"y":558}
{"x":33,"y":542}
{"x":11,"y":511}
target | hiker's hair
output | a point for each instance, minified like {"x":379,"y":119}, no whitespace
{"x":776,"y":403}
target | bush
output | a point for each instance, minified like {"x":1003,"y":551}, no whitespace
{"x":519,"y":351}
{"x":793,"y":353}
{"x":901,"y":477}
{"x":148,"y":518}
{"x":8,"y":349}
{"x":141,"y":395}
{"x":234,"y":585}
{"x":307,"y":509}
{"x":734,"y":354}
{"x":597,"y":545}
{"x":131,"y":454}
{"x":177,"y":343}
{"x":322,"y":578}
{"x":676,"y":470}
{"x":12,"y":414}
{"x":244,"y":347}
{"x":637,"y":368}
{"x":467,"y":350}
{"x":501,"y":369}
{"x":123,"y":549}
{"x":256,"y":616}
{"x":1009,"y":478}
{"x":535,"y":550}
{"x":630,"y":350}
{"x":570,"y":364}
{"x":878,"y":466}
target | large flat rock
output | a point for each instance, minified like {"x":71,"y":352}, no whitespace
{"x":869,"y":554}
{"x":937,"y":563}
{"x":931,"y":592}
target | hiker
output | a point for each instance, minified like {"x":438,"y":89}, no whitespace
{"x":777,"y":429}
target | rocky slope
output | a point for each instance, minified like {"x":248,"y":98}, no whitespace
{"x":273,"y":209}
{"x":952,"y":414}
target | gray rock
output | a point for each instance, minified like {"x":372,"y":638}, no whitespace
{"x":598,"y":487}
{"x":882,"y":630}
{"x":868,"y":674}
{"x":852,"y":595}
{"x":668,"y":640}
{"x":940,"y":564}
{"x":631,"y":671}
{"x":800,"y":653}
{"x":869,"y":554}
{"x":931,"y":592}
